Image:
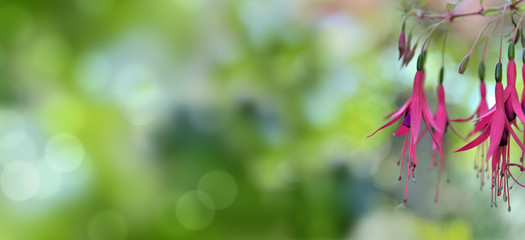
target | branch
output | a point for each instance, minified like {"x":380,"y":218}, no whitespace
{"x":481,"y":12}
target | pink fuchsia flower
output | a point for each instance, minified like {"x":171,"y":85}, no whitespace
{"x":413,"y":111}
{"x":442,"y":123}
{"x":499,"y":129}
{"x":511,"y":101}
{"x":512,"y":104}
{"x":482,"y":109}
{"x":523,"y":96}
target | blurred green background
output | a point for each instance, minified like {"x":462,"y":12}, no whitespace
{"x":226,"y":119}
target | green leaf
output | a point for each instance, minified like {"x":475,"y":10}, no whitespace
{"x":521,"y":7}
{"x":491,"y":11}
{"x":422,"y":2}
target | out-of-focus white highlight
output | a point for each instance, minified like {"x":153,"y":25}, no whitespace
{"x":64,"y":152}
{"x":20,"y":181}
{"x":12,"y":129}
{"x":138,"y":94}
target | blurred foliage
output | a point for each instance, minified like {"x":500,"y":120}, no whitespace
{"x":223,"y":119}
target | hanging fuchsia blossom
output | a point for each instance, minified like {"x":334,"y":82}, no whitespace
{"x":512,"y":103}
{"x":441,"y":120}
{"x":482,"y":109}
{"x":499,"y":128}
{"x":498,"y":123}
{"x":442,"y":123}
{"x":523,"y":94}
{"x":413,"y":111}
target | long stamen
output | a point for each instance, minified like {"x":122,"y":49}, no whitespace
{"x":403,"y":158}
{"x":410,"y":153}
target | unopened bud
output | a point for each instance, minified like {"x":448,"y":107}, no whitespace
{"x":402,"y":42}
{"x":406,"y":49}
{"x":464,"y":64}
{"x":421,"y":61}
{"x":481,"y":71}
{"x":409,"y":56}
{"x":441,"y":74}
{"x":497,"y":74}
{"x":511,"y":51}
{"x":409,"y":53}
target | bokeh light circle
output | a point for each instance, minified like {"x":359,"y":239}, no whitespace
{"x":20,"y":181}
{"x":12,"y":129}
{"x":220,"y":186}
{"x":64,"y":152}
{"x":195,"y":210}
{"x":51,"y":181}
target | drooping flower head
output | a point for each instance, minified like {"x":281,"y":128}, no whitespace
{"x":442,"y":123}
{"x":512,"y":103}
{"x":497,"y":123}
{"x":499,"y":129}
{"x":413,"y":111}
{"x":523,"y":92}
{"x":482,"y":109}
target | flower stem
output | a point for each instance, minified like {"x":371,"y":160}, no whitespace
{"x":452,"y":16}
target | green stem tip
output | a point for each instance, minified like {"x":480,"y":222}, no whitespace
{"x":441,"y":74}
{"x":511,"y":51}
{"x":464,"y":64}
{"x":421,"y":61}
{"x":481,"y":71}
{"x":498,"y":72}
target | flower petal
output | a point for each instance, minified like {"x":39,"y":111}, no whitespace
{"x":401,"y":130}
{"x":386,"y":125}
{"x":481,"y":138}
{"x":401,"y":110}
{"x":496,"y":131}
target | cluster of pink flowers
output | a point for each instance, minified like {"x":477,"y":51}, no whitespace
{"x":493,"y":128}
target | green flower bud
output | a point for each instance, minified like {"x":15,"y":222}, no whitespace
{"x":481,"y":71}
{"x":464,"y":64}
{"x":421,"y":61}
{"x":511,"y":51}
{"x":498,"y":72}
{"x":441,"y":74}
